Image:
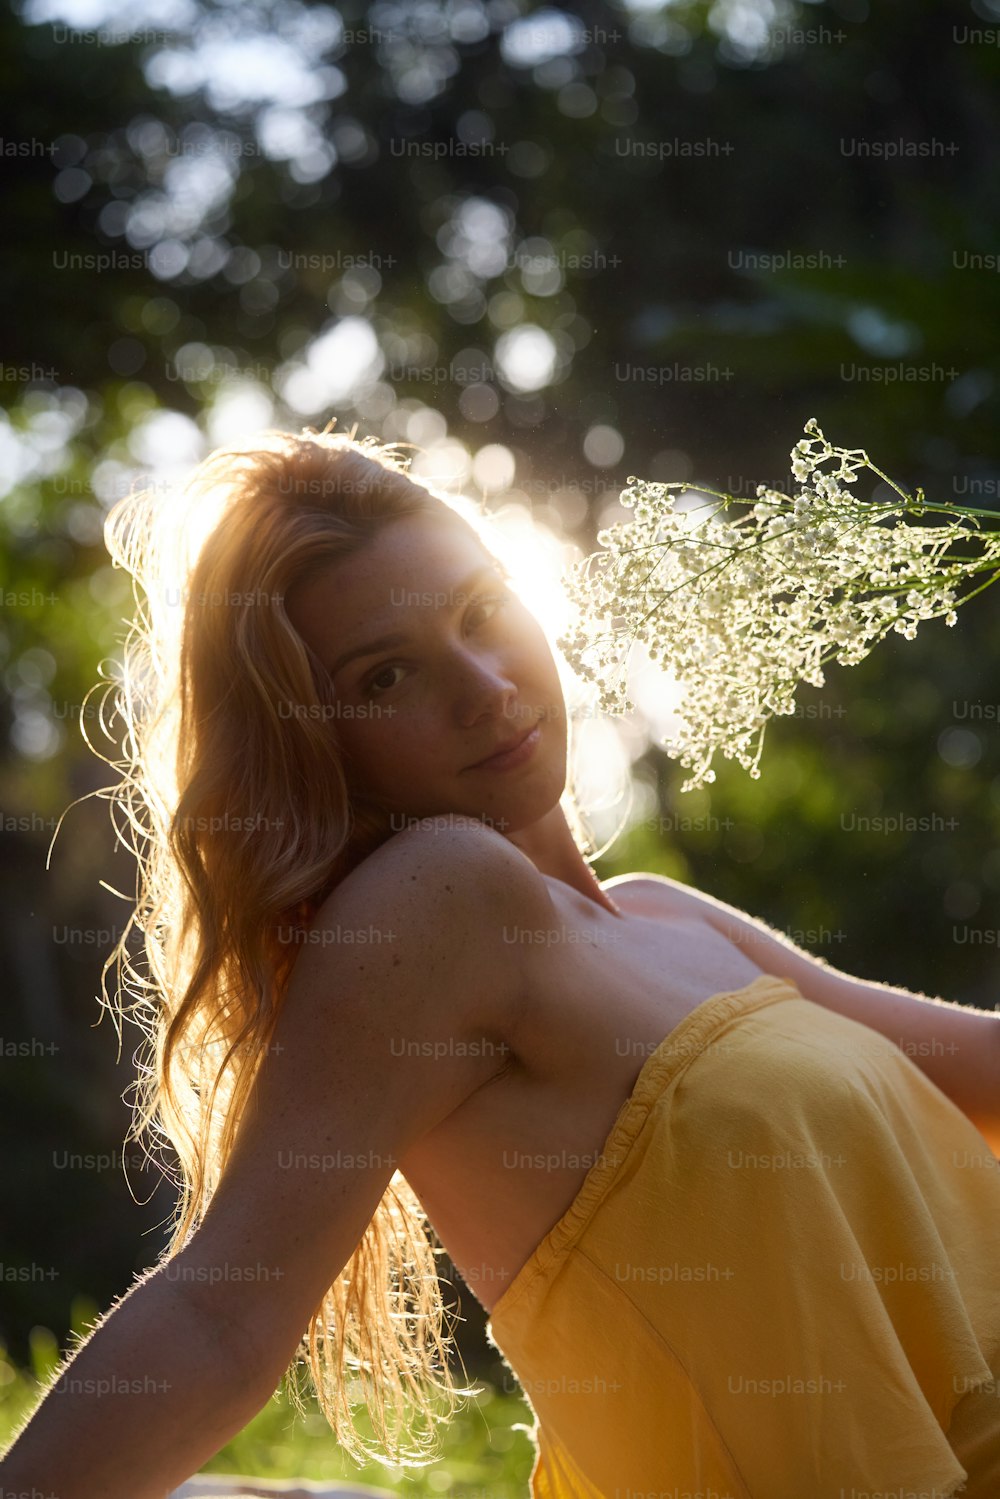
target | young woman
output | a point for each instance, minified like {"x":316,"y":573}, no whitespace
{"x":735,"y":1214}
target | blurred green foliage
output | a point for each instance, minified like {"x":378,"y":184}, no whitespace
{"x":202,"y":205}
{"x":485,"y":1448}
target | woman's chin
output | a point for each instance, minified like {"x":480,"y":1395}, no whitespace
{"x":523,"y":807}
{"x":507,"y":801}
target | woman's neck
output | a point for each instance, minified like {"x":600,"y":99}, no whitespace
{"x":550,"y":846}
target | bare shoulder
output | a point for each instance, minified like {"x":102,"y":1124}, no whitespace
{"x":661,"y":895}
{"x":446,"y":865}
{"x":433,"y":849}
{"x":444,"y":892}
{"x":398,"y":1009}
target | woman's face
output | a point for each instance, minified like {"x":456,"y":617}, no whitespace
{"x":468,"y":672}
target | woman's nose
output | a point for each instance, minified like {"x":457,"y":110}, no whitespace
{"x":486,"y":688}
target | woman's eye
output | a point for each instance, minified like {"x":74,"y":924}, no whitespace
{"x":373,"y":680}
{"x":497,"y":600}
{"x":492,"y":603}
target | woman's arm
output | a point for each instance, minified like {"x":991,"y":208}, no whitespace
{"x":957,"y":1046}
{"x":159,"y":1386}
{"x":195,"y":1350}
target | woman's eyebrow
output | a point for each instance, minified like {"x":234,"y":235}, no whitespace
{"x":369,"y":649}
{"x":399,"y":637}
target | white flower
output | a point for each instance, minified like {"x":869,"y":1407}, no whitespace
{"x":743,"y":611}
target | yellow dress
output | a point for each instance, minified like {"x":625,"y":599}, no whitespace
{"x":779,"y":1280}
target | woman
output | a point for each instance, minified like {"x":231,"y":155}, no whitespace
{"x":730,"y":1238}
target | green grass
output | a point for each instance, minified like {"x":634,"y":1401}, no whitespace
{"x":482,"y":1449}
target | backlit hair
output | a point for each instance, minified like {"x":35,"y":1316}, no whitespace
{"x":209,"y":655}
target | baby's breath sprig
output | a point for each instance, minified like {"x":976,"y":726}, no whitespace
{"x":743,"y":610}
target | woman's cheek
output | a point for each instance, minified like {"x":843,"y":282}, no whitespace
{"x":391,"y":731}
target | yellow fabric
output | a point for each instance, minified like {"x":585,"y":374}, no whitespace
{"x":779,"y":1280}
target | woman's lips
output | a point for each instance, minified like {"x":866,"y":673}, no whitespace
{"x":518,"y":754}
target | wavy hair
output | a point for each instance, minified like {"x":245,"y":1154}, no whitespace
{"x":209,"y":653}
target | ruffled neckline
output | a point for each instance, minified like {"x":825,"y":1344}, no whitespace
{"x":677,"y":1049}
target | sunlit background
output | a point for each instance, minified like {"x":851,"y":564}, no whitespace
{"x":551,"y":251}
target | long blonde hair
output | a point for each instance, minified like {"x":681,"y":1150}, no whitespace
{"x":241,"y":822}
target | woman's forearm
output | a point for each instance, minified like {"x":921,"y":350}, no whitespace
{"x":155,"y":1391}
{"x":957,"y":1046}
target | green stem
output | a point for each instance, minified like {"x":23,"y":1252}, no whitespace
{"x":910,"y":505}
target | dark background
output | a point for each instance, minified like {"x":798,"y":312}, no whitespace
{"x":192,"y":200}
